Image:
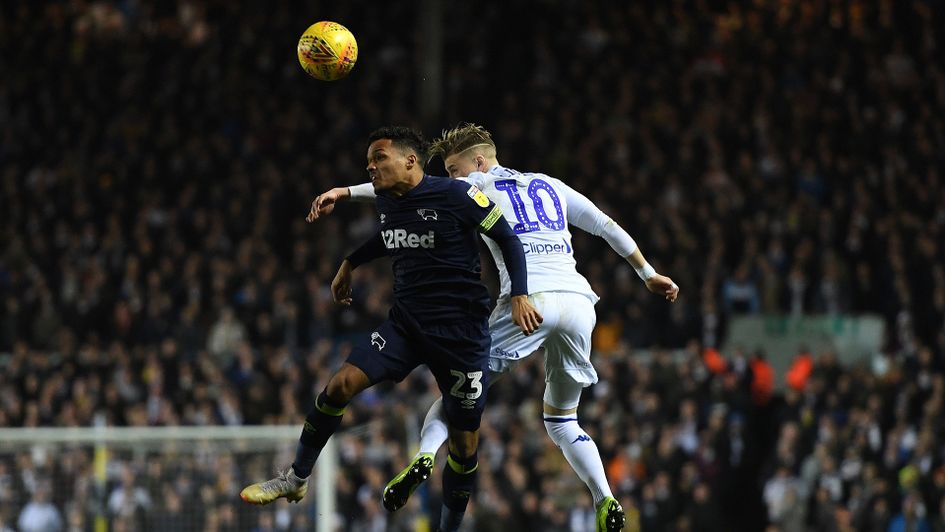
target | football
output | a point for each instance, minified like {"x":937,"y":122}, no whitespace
{"x":327,"y":51}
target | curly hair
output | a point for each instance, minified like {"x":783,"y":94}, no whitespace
{"x":461,"y":138}
{"x":404,"y":138}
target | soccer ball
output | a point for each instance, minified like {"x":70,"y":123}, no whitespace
{"x":327,"y":51}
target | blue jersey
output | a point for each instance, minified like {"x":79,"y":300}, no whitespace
{"x":430,"y":235}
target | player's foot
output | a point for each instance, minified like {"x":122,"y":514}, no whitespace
{"x":404,"y":484}
{"x":287,"y":485}
{"x":610,"y":517}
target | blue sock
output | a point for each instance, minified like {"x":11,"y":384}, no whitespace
{"x":459,"y":481}
{"x":321,"y":422}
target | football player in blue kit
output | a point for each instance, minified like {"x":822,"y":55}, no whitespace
{"x":439,"y":316}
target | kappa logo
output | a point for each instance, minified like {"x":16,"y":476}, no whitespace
{"x":378,"y":340}
{"x":427,"y":214}
{"x":582,"y":437}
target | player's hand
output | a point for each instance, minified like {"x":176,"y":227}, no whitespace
{"x":525,"y":315}
{"x":341,"y":285}
{"x":325,"y":203}
{"x":664,"y":286}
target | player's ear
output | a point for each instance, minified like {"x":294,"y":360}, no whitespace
{"x":481,"y":163}
{"x":411,"y":160}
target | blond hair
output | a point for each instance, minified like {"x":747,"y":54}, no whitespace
{"x":462,"y":138}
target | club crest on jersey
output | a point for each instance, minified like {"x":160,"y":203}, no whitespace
{"x":383,"y":218}
{"x":427,"y":214}
{"x":378,"y":340}
{"x":478,"y":195}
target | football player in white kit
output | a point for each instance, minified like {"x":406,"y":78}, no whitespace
{"x":540,"y":208}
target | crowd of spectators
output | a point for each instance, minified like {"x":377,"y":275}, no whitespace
{"x":157,"y":162}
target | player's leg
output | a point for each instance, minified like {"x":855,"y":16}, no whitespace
{"x":459,"y":476}
{"x":325,"y":416}
{"x":434,"y":432}
{"x":509,"y":348}
{"x":580,"y":450}
{"x":433,"y":435}
{"x":567,"y":371}
{"x":382,"y":356}
{"x":321,"y":422}
{"x":458,"y":357}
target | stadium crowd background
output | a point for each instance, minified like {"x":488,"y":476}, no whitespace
{"x":157,"y":162}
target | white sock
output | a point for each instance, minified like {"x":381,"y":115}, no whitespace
{"x":434,"y":431}
{"x":581,"y":452}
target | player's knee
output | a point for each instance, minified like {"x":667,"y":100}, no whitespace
{"x":346,"y":383}
{"x":463,"y":443}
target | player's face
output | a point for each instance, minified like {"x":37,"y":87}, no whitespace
{"x":387,"y":164}
{"x":463,"y":164}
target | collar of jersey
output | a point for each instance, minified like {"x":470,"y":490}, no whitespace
{"x":498,"y":167}
{"x":407,"y":194}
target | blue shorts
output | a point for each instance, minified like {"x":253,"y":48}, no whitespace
{"x":456,"y":353}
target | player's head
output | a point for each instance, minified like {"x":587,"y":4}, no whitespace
{"x":395,"y":158}
{"x":465,"y":149}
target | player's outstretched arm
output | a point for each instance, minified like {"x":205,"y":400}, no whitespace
{"x":324,"y":203}
{"x":341,"y":284}
{"x":584,"y":214}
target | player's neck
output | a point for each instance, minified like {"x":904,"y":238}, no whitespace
{"x":402,"y":187}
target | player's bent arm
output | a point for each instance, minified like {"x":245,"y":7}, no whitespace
{"x":524,"y":314}
{"x":495,"y":227}
{"x":341,"y":284}
{"x":582,"y":213}
{"x":374,"y":248}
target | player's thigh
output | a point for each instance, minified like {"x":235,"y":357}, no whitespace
{"x":458,"y":357}
{"x":509,"y":343}
{"x":385,"y":354}
{"x":568,"y":349}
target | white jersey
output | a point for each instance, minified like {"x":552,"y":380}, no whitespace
{"x":539,"y":208}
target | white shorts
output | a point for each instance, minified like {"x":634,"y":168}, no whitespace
{"x":565,"y":333}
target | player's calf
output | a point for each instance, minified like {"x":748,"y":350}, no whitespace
{"x":459,"y":483}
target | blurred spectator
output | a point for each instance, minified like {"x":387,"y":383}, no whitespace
{"x":225,"y":337}
{"x":911,"y":518}
{"x":40,"y":515}
{"x":778,"y":158}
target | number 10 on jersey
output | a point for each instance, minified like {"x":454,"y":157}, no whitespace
{"x":526,"y":225}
